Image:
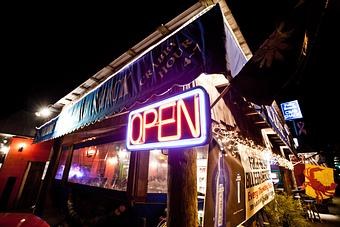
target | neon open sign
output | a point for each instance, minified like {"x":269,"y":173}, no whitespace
{"x":180,"y":121}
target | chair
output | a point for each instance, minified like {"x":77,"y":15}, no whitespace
{"x":311,"y":210}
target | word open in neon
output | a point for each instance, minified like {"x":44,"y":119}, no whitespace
{"x":179,"y":121}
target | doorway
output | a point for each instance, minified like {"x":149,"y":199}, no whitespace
{"x":30,"y":186}
{"x":7,"y":192}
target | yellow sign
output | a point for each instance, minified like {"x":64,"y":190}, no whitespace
{"x":319,"y":182}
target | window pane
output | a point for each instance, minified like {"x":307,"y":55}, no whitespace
{"x":62,"y":163}
{"x":202,"y":168}
{"x":158,"y":172}
{"x":105,"y":166}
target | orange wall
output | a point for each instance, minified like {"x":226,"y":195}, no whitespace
{"x":16,"y":162}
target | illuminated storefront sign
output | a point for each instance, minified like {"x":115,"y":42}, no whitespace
{"x":291,"y":110}
{"x":179,"y":121}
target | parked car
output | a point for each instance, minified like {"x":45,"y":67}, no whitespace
{"x":21,"y":220}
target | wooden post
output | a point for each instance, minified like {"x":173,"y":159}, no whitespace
{"x":287,"y":183}
{"x":182,"y":188}
{"x":44,"y":191}
{"x":292,"y":176}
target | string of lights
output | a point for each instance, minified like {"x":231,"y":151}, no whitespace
{"x":231,"y":140}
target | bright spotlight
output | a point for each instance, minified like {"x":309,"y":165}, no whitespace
{"x":43,"y":112}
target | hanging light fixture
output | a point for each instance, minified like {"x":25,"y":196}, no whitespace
{"x":21,"y":147}
{"x":91,"y":151}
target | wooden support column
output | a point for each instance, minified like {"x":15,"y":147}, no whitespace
{"x":182,"y":188}
{"x":292,"y":176}
{"x":287,"y":182}
{"x":44,"y":192}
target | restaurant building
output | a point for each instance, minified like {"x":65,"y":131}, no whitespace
{"x":160,"y":128}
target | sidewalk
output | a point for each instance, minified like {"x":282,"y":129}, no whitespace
{"x":332,"y":218}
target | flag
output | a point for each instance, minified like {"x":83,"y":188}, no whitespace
{"x":277,"y":60}
{"x":319,"y":182}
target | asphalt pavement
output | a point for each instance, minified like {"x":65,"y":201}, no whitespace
{"x":330,"y":217}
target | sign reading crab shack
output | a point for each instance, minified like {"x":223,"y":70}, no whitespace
{"x":179,"y":121}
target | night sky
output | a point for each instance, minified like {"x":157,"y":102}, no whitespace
{"x":48,"y":49}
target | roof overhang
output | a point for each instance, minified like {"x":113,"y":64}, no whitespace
{"x":161,"y":32}
{"x":79,"y":99}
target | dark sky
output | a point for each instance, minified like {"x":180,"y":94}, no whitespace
{"x":48,"y":49}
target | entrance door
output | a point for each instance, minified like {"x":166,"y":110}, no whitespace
{"x":30,"y":185}
{"x":7,"y":192}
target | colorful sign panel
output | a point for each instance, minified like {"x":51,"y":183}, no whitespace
{"x":291,"y":110}
{"x":319,"y":182}
{"x":180,"y":121}
{"x":239,"y":184}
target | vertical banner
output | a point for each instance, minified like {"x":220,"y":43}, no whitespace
{"x":238,"y":185}
{"x":225,"y":196}
{"x":259,"y":186}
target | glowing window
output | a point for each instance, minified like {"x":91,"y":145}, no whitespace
{"x":158,"y":170}
{"x":62,"y":162}
{"x":105,"y":165}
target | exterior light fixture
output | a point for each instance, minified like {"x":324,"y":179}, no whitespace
{"x":91,"y":152}
{"x":43,"y":112}
{"x":4,"y":149}
{"x":46,"y":111}
{"x":21,"y":147}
